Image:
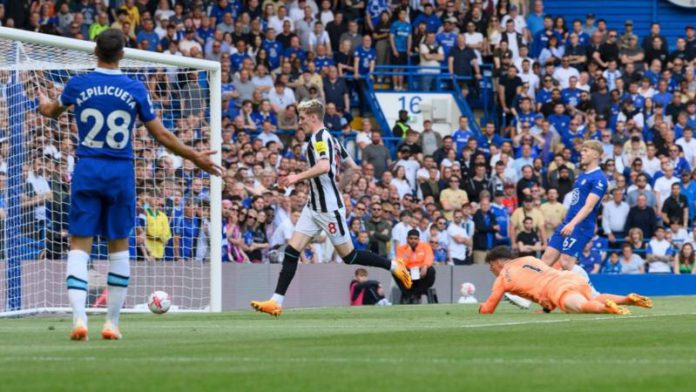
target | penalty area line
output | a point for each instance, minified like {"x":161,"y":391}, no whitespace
{"x":567,"y":320}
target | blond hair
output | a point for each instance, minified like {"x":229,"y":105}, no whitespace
{"x":594,"y":145}
{"x":312,"y":106}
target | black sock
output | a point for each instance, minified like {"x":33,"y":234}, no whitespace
{"x":367,"y":258}
{"x":288,"y":270}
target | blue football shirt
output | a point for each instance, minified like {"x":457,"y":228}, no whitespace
{"x":586,"y":184}
{"x":106,"y":105}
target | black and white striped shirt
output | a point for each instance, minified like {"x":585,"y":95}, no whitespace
{"x":324,"y":193}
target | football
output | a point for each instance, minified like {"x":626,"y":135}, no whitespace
{"x":159,"y":302}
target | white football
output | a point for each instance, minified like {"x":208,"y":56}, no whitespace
{"x":468,"y":289}
{"x":159,"y":302}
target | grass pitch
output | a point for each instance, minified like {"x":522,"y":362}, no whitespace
{"x":402,"y":348}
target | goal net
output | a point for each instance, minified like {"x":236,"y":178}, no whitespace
{"x":178,"y":220}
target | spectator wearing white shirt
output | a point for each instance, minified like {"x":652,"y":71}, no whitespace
{"x":474,"y":40}
{"x":268,"y":134}
{"x":459,"y":240}
{"x":614,"y":217}
{"x":520,"y":23}
{"x":660,"y":253}
{"x":529,"y":77}
{"x":563,"y":73}
{"x":688,"y":145}
{"x":400,"y":230}
{"x":663,"y":185}
{"x":319,"y":36}
{"x":276,"y":21}
{"x":281,"y":96}
{"x":651,"y":163}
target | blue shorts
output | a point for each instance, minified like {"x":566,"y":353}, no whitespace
{"x":571,"y":245}
{"x":103,"y":198}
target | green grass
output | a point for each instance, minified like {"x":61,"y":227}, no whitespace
{"x":402,"y":348}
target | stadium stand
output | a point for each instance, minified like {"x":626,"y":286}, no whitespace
{"x":531,"y":80}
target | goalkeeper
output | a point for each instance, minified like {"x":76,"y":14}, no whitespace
{"x":105,"y":103}
{"x":533,"y":279}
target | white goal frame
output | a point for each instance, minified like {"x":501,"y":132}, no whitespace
{"x":213,"y":68}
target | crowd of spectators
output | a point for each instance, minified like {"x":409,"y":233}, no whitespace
{"x":557,"y":83}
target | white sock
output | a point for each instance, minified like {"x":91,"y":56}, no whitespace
{"x":119,"y":274}
{"x":278,"y":299}
{"x":76,"y":279}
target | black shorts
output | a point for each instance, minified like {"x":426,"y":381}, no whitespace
{"x":401,"y":59}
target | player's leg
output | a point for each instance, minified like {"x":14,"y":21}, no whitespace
{"x":117,"y":281}
{"x":335,"y":226}
{"x":568,"y":261}
{"x":553,"y":249}
{"x":76,"y":279}
{"x":83,"y":223}
{"x":631,"y":299}
{"x":118,"y":222}
{"x":305,"y":229}
{"x":577,"y":302}
{"x":297,"y":244}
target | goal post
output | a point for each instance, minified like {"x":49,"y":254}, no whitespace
{"x":37,"y":156}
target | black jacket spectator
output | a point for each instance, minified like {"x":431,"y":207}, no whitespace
{"x":483,"y":229}
{"x":335,"y":92}
{"x":642,"y":218}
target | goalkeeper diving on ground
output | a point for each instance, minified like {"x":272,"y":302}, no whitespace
{"x":533,"y":279}
{"x":105,"y":104}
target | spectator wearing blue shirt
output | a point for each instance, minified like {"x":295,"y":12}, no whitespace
{"x":273,"y":48}
{"x":583,"y":37}
{"x":148,"y":34}
{"x":322,"y":61}
{"x":559,"y":119}
{"x":364,"y":65}
{"x":400,"y":42}
{"x":535,"y":20}
{"x":431,"y":20}
{"x":236,"y":59}
{"x":294,"y":50}
{"x":488,"y":139}
{"x":265,"y":113}
{"x":612,"y":265}
{"x":571,"y":94}
{"x":678,"y":162}
{"x":590,"y":259}
{"x":663,"y":97}
{"x":205,"y":31}
{"x":541,"y":38}
{"x":374,"y":10}
{"x":447,"y":38}
{"x":461,"y":136}
{"x":218,"y":10}
{"x":185,"y":231}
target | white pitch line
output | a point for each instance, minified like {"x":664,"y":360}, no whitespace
{"x":365,"y":360}
{"x":566,"y":320}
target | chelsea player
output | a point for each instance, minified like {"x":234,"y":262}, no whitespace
{"x":578,"y":227}
{"x":106,"y":103}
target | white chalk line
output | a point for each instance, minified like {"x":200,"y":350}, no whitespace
{"x":274,"y":324}
{"x":364,"y":360}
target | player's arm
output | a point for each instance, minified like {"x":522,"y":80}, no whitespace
{"x":321,"y":167}
{"x":590,"y":202}
{"x":497,"y":293}
{"x":202,"y":159}
{"x":50,"y":107}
